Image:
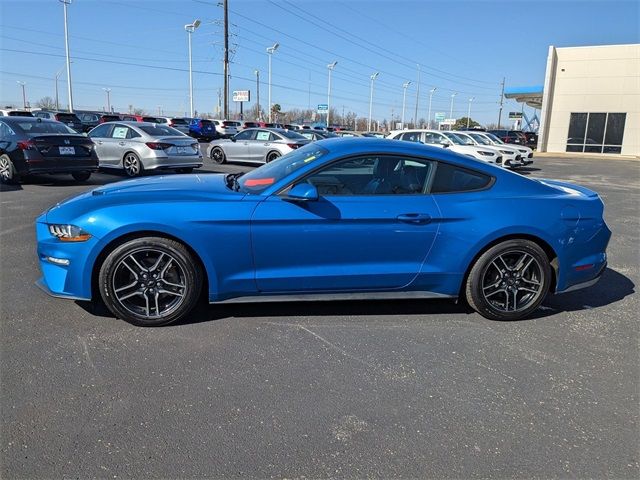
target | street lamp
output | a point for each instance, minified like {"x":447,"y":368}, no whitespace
{"x":469,"y":112}
{"x":270,"y":51}
{"x":108,"y":91}
{"x":453,"y":95}
{"x":431,"y":92}
{"x":405,"y":85}
{"x":373,"y":77}
{"x":65,"y":3}
{"x":190,"y":28}
{"x":331,"y":66}
{"x":24,"y":95}
{"x":258,"y":116}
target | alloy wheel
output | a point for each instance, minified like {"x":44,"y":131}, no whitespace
{"x":149,"y":283}
{"x":132,"y":165}
{"x":512,"y":281}
{"x":6,"y":169}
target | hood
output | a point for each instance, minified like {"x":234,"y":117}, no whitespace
{"x":145,"y":190}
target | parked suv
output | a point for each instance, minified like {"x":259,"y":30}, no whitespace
{"x":180,"y":124}
{"x":510,"y":136}
{"x":89,"y":120}
{"x":203,"y":129}
{"x":69,"y":119}
{"x":226,"y":128}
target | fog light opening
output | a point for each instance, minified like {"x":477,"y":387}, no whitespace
{"x":58,"y":261}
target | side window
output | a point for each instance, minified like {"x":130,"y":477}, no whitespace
{"x":132,"y":133}
{"x":5,"y":130}
{"x":451,"y":179}
{"x":263,"y":135}
{"x":434,"y":138}
{"x":101,"y":131}
{"x":119,"y":131}
{"x":245,"y":135}
{"x":412,"y":137}
{"x":373,"y":176}
{"x":41,"y":114}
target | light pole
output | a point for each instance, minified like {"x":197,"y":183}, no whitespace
{"x":57,"y":97}
{"x":453,"y":95}
{"x":108,"y":92}
{"x":190,"y":28}
{"x":24,"y":95}
{"x":469,"y":112}
{"x":331,"y":66}
{"x":258,"y":116}
{"x":373,"y":77}
{"x":415,"y":115}
{"x":405,"y":85}
{"x":431,"y":92}
{"x":270,"y":51}
{"x":66,"y":47}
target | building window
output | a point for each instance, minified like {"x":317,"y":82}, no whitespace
{"x":596,"y":132}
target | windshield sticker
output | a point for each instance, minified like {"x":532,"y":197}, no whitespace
{"x":119,"y":132}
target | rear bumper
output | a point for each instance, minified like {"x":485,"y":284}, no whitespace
{"x":587,"y":283}
{"x":80,"y":167}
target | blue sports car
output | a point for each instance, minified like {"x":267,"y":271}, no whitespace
{"x":336,"y":219}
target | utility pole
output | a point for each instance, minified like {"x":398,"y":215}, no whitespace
{"x":258,"y":116}
{"x":65,"y":3}
{"x":219,"y":108}
{"x":373,"y":78}
{"x":469,"y":112}
{"x":415,"y":115}
{"x":108,"y":91}
{"x":331,"y":66}
{"x":226,"y":58}
{"x":501,"y":102}
{"x":24,"y":95}
{"x":405,"y":85}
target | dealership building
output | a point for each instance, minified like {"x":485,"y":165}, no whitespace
{"x":590,"y":101}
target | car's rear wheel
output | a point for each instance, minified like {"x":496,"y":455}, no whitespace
{"x":132,"y":165}
{"x":81,"y":176}
{"x":217,"y":155}
{"x":150,"y":281}
{"x":7,"y":170}
{"x":509,"y":281}
{"x":272,"y":156}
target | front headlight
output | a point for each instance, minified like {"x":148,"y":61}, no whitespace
{"x":69,"y":233}
{"x":485,"y":153}
{"x":506,"y":152}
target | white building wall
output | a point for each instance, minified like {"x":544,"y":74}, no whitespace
{"x":600,"y":79}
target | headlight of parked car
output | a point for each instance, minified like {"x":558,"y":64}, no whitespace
{"x":69,"y":233}
{"x":488,"y":154}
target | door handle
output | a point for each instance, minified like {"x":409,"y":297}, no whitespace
{"x":266,"y":144}
{"x":416,"y":218}
{"x":121,"y":144}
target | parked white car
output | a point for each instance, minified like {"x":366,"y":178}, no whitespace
{"x":510,"y":156}
{"x":438,"y":139}
{"x":226,"y":128}
{"x":526,"y":152}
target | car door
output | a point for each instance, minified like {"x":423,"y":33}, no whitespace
{"x":260,"y":145}
{"x":371,"y":228}
{"x":238,"y":148}
{"x":101,"y":137}
{"x":116,"y":145}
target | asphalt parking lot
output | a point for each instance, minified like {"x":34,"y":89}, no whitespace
{"x":407,"y":389}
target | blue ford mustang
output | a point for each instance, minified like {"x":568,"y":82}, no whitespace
{"x":336,"y":219}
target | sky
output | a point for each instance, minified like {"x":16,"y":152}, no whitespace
{"x":139,"y":49}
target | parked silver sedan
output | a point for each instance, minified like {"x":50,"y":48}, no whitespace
{"x":138,"y":146}
{"x":259,"y":145}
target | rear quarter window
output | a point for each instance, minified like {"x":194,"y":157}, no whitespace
{"x":453,"y":179}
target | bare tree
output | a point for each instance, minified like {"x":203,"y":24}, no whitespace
{"x":46,"y":103}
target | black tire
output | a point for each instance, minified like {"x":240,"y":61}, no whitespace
{"x":81,"y":176}
{"x":498,"y":290}
{"x":132,"y":165}
{"x":185,"y":170}
{"x":150,"y":281}
{"x":218,"y":156}
{"x":271,"y":156}
{"x":8,"y":173}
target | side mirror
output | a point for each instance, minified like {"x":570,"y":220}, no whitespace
{"x":233,"y":139}
{"x":302,"y":192}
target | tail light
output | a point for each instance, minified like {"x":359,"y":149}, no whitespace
{"x":27,"y":145}
{"x":293,"y":145}
{"x":158,"y":145}
{"x":57,"y":117}
{"x":199,"y":124}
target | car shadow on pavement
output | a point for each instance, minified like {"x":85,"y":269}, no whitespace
{"x":612,"y":287}
{"x":10,"y":187}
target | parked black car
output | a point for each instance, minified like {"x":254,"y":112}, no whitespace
{"x":36,"y":145}
{"x":69,"y":119}
{"x":89,"y":120}
{"x":510,"y":136}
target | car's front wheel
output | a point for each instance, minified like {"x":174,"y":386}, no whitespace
{"x":150,"y":281}
{"x":509,"y":281}
{"x":217,"y":155}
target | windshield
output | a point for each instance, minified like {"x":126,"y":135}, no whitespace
{"x":161,"y":131}
{"x":494,"y":138}
{"x":36,"y":128}
{"x":454,"y":138}
{"x":258,"y":180}
{"x":480,"y":139}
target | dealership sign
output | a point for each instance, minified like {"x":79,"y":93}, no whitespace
{"x":440,"y":116}
{"x":241,"y":96}
{"x":323,"y":108}
{"x":515,"y":115}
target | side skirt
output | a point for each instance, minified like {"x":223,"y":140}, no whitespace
{"x":321,"y":297}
